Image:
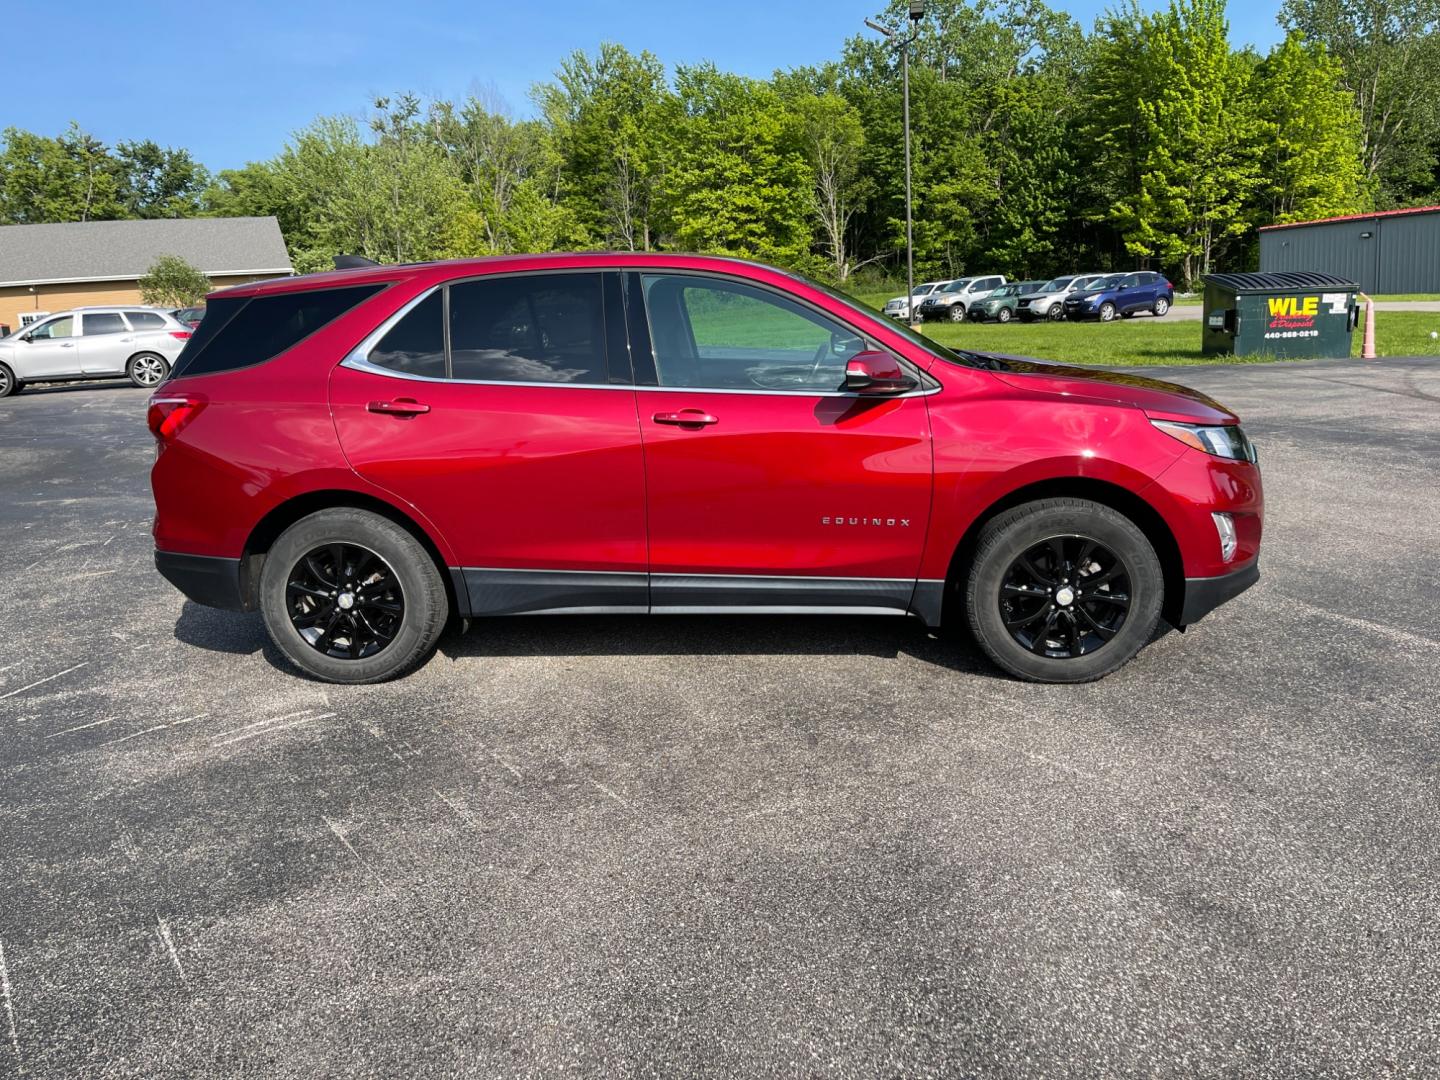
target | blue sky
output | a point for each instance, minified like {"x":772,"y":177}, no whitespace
{"x":230,"y":82}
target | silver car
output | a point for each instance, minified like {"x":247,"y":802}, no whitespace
{"x":897,"y":308}
{"x":1048,"y":301}
{"x":138,"y":343}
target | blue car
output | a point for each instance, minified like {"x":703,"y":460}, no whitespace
{"x":1123,"y":295}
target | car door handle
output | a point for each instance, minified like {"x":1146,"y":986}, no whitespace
{"x":686,"y":418}
{"x":398,"y":407}
{"x":67,"y":344}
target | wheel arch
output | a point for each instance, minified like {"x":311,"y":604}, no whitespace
{"x":1118,"y":498}
{"x":280,"y":517}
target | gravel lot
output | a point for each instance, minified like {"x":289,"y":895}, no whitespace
{"x":730,"y":846}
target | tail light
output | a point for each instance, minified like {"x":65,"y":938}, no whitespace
{"x":167,"y":415}
{"x":182,"y":335}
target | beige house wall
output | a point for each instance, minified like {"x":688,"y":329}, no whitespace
{"x":60,"y":297}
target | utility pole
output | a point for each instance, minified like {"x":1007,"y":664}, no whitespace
{"x":917,"y":12}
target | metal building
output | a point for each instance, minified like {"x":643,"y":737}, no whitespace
{"x":1392,"y":251}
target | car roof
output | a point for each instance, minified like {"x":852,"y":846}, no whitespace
{"x":435,"y":272}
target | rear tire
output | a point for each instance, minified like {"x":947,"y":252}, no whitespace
{"x":374,"y":554}
{"x":1057,"y":633}
{"x":147,"y":370}
{"x":1161,"y":307}
{"x":8,"y":383}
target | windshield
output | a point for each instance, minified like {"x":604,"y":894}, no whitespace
{"x":1106,"y":282}
{"x":1006,"y":290}
{"x":954,"y":356}
{"x":957,"y":284}
{"x":1060,"y":284}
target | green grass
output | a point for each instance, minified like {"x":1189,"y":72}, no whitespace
{"x":1406,"y":296}
{"x":1154,"y":342}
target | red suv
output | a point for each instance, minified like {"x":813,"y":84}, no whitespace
{"x":367,"y":455}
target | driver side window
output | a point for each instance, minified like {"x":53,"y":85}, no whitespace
{"x":725,"y":335}
{"x":55,"y":328}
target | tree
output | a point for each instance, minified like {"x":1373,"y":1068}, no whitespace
{"x":1173,"y":119}
{"x":1313,"y":143}
{"x":833,"y":140}
{"x":1389,"y":52}
{"x":155,"y":182}
{"x":69,"y":178}
{"x":738,"y":180}
{"x":173,"y":283}
{"x":609,"y":116}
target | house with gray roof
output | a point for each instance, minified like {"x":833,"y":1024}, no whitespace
{"x":47,"y":268}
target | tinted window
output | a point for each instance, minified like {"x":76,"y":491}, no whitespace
{"x":416,"y":344}
{"x":146,"y":320}
{"x":55,"y":328}
{"x":727,"y":335}
{"x":105,"y":322}
{"x":242,"y":331}
{"x":540,"y":328}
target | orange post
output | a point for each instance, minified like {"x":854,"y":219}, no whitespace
{"x":1367,"y":344}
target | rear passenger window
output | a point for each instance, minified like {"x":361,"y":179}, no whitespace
{"x":538,"y":328}
{"x":243,"y":331}
{"x":146,"y":320}
{"x":104,"y":322}
{"x":416,"y":344}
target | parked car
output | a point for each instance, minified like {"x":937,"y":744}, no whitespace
{"x":1048,"y":301}
{"x":364,"y":456}
{"x":954,"y":300}
{"x":190,"y":316}
{"x":896,"y":307}
{"x":1000,"y":304}
{"x":1122,"y":294}
{"x":137,"y":343}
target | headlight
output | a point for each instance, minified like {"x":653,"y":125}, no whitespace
{"x":1226,"y":440}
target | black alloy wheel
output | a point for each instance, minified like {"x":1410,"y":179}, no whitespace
{"x":345,"y":601}
{"x":1065,"y":597}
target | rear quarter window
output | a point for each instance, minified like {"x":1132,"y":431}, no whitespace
{"x":247,"y":330}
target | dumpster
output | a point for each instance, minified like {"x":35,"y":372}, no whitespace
{"x":1283,"y":314}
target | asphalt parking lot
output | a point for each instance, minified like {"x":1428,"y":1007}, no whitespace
{"x":730,"y":846}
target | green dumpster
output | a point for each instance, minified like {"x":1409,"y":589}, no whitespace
{"x":1288,"y":314}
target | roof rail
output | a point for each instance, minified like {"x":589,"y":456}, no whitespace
{"x":353,"y":262}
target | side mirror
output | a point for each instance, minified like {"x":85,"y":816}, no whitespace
{"x":876,"y":373}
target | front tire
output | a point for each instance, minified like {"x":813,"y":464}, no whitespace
{"x":351,"y":597}
{"x":147,"y":370}
{"x":1057,"y":311}
{"x":1004,"y":315}
{"x":1107,"y":312}
{"x":957,"y":313}
{"x":1063,"y":590}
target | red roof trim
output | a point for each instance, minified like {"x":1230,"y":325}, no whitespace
{"x":1355,"y":217}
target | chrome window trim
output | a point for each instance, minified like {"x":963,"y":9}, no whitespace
{"x":358,"y":358}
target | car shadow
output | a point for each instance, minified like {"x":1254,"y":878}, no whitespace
{"x":884,"y":638}
{"x":39,"y":389}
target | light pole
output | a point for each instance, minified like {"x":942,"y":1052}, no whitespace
{"x":917,"y":12}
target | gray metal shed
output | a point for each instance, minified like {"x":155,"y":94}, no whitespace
{"x":1391,"y":251}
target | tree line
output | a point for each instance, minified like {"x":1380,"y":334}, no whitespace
{"x":1038,"y":147}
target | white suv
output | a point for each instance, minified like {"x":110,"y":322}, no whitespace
{"x":897,"y":308}
{"x":954,"y":300}
{"x":138,"y":343}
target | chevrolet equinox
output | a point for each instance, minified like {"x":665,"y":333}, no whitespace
{"x":366,"y":455}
